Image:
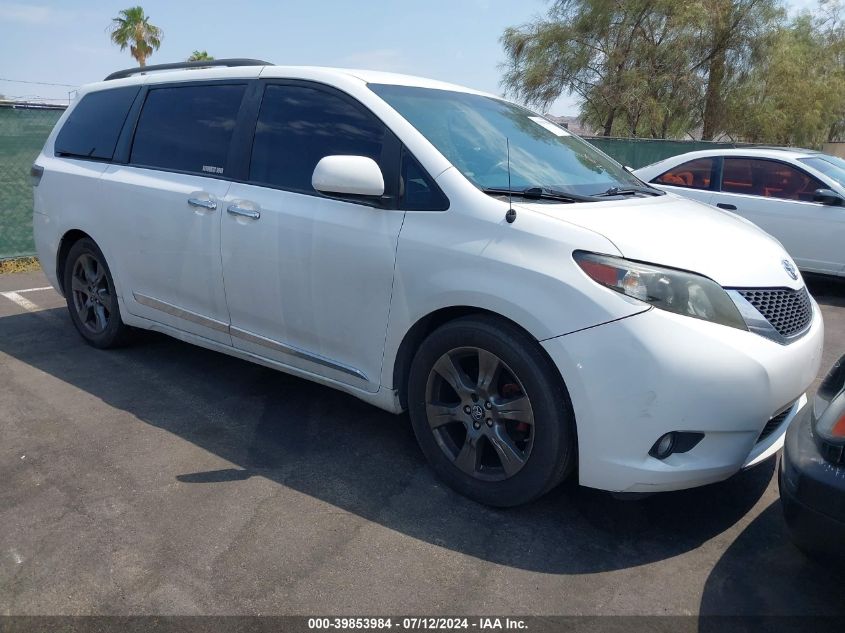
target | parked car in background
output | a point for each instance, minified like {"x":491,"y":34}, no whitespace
{"x":798,"y":196}
{"x":427,"y":247}
{"x":812,"y":471}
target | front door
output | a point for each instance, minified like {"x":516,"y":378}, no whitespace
{"x":308,"y":278}
{"x":692,"y":179}
{"x":778,"y":198}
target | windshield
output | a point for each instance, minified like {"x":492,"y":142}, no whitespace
{"x":831,"y":166}
{"x":473,"y":132}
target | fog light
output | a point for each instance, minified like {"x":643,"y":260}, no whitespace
{"x":675,"y":442}
{"x":663,"y":447}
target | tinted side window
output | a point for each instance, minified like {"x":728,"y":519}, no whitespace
{"x":737,"y":176}
{"x":92,"y":128}
{"x":187,"y":128}
{"x":694,"y":174}
{"x":418,"y":191}
{"x":767,"y":178}
{"x":298,"y":125}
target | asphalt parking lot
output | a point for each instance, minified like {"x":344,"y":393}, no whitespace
{"x":167,"y":479}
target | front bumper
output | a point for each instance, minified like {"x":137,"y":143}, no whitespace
{"x":812,"y":488}
{"x":632,"y":380}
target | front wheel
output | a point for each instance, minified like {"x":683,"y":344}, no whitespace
{"x":91,"y":297}
{"x":489,"y":411}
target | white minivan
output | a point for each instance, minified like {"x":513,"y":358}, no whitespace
{"x":537,"y":310}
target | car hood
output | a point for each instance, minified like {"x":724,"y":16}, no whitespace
{"x":680,"y":233}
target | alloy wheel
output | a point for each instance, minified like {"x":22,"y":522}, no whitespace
{"x":92,"y":297}
{"x":479,"y":413}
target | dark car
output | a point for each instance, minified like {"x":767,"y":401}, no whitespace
{"x":812,"y":471}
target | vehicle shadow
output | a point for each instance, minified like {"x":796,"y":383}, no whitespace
{"x":344,"y":452}
{"x":763,"y":573}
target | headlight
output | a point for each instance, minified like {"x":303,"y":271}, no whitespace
{"x":673,"y":290}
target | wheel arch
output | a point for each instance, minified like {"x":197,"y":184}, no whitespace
{"x":67,"y":241}
{"x":425,"y":325}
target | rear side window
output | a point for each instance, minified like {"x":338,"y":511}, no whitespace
{"x":419,"y":192}
{"x":768,"y":178}
{"x":694,"y":174}
{"x":187,"y":128}
{"x":298,"y":125}
{"x":93,"y":126}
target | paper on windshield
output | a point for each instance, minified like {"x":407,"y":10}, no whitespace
{"x":551,"y":127}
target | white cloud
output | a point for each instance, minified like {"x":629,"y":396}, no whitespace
{"x":27,"y":13}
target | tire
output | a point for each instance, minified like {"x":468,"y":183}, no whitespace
{"x":91,"y":297}
{"x":490,"y":411}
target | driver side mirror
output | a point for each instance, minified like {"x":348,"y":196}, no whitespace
{"x":348,"y":175}
{"x":828,"y":197}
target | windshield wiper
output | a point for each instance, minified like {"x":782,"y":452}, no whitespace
{"x":629,"y":191}
{"x":539,"y":193}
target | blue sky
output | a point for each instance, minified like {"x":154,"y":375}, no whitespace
{"x":66,"y":42}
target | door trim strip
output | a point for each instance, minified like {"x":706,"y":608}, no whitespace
{"x":244,"y":335}
{"x":249,"y":337}
{"x":181,"y":313}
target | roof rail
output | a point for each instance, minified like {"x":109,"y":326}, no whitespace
{"x":120,"y":74}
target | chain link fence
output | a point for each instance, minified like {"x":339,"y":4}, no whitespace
{"x":23,"y":130}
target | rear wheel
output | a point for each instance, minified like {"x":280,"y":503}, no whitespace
{"x":489,"y":411}
{"x":91,"y":297}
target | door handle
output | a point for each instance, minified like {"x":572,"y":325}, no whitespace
{"x":211,"y":205}
{"x":252,"y":214}
{"x":726,"y":206}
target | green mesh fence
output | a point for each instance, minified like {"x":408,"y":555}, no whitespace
{"x":22,"y":134}
{"x":639,"y":152}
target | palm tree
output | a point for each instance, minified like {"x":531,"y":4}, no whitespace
{"x":133,"y":29}
{"x":200,"y":56}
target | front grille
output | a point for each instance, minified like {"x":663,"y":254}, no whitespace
{"x":772,"y":425}
{"x":788,"y":311}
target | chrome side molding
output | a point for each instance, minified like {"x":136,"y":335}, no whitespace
{"x":181,"y":313}
{"x":244,"y":335}
{"x":294,"y":351}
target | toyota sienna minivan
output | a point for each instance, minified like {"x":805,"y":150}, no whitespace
{"x":538,"y":310}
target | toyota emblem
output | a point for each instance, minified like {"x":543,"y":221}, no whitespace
{"x":790,"y":269}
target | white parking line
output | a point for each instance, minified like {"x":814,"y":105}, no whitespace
{"x":20,"y":300}
{"x":16,"y":297}
{"x":34,"y":289}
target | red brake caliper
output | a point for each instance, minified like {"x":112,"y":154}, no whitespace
{"x":511,"y":390}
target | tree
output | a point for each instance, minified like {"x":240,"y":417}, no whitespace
{"x":200,"y":56}
{"x":794,"y":91}
{"x":583,"y":47}
{"x":132,"y":28}
{"x":656,"y":67}
{"x":729,"y":30}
